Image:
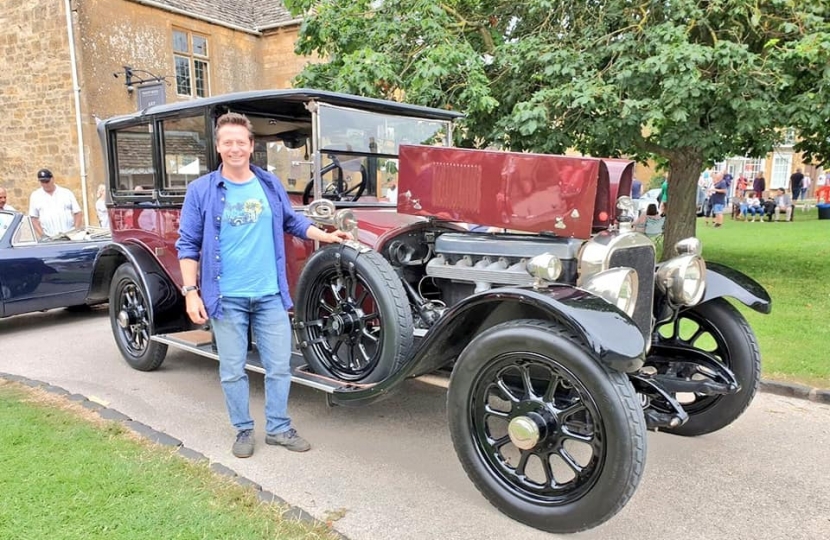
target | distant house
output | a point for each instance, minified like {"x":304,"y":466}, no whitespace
{"x":69,"y":62}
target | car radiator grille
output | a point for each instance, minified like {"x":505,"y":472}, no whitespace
{"x":641,"y":259}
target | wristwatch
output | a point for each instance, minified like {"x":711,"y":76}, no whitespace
{"x":187,"y":288}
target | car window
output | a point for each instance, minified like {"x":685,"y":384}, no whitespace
{"x":5,"y":222}
{"x":25,"y":233}
{"x":185,"y":152}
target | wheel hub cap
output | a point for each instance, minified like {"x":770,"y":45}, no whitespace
{"x":123,"y":319}
{"x":523,"y":432}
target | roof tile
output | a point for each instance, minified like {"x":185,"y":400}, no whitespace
{"x":250,"y":14}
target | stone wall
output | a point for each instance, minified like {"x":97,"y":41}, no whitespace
{"x":36,"y":87}
{"x":142,"y":37}
{"x":280,"y":64}
{"x":36,"y":99}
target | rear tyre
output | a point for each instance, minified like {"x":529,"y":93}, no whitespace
{"x":548,"y":435}
{"x":131,"y":321}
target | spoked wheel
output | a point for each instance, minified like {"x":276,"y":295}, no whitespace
{"x":720,"y":330}
{"x":352,"y":315}
{"x":131,"y":322}
{"x":548,"y":435}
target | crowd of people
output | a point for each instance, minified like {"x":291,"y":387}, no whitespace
{"x":751,"y":200}
{"x":54,"y":209}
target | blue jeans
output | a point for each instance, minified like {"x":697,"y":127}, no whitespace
{"x":272,"y":332}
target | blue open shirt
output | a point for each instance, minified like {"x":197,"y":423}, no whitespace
{"x":199,"y":231}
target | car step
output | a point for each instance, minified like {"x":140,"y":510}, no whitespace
{"x":200,"y":342}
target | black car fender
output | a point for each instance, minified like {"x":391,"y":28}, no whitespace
{"x":723,"y":281}
{"x":604,"y":330}
{"x":164,"y":299}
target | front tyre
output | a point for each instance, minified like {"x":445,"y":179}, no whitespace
{"x":718,"y":328}
{"x":548,"y":435}
{"x":131,"y":323}
{"x":352,"y":316}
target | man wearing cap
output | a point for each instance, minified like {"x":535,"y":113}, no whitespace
{"x":53,"y":209}
{"x":3,"y":205}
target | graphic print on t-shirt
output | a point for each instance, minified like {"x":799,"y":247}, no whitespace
{"x":243,"y":213}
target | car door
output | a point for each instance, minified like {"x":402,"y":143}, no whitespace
{"x":39,"y":275}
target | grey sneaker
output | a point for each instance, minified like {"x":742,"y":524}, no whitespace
{"x":290,"y":440}
{"x":244,"y":445}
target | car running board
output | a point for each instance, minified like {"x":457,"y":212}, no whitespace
{"x":200,"y":342}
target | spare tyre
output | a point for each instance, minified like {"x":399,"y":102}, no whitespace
{"x":352,"y":318}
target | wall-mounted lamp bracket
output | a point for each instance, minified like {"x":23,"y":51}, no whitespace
{"x":133,"y":76}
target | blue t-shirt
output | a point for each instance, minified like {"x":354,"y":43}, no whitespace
{"x":246,"y":242}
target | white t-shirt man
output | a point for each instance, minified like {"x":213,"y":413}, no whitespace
{"x":55,"y":211}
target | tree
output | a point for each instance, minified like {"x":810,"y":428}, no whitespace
{"x":685,"y":82}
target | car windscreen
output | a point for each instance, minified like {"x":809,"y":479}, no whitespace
{"x":350,"y":130}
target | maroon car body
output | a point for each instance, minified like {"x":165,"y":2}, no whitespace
{"x":519,"y":275}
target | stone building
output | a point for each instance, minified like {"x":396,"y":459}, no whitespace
{"x":68,"y":63}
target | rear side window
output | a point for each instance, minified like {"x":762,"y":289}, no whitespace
{"x":134,"y":169}
{"x":185,"y":152}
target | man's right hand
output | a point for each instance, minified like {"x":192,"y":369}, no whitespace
{"x":195,"y":307}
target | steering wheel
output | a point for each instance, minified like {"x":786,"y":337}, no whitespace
{"x":336,"y":190}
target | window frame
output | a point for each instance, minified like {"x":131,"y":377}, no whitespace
{"x":192,"y":58}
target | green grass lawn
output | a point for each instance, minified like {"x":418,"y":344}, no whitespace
{"x":792,"y":261}
{"x":63,"y":476}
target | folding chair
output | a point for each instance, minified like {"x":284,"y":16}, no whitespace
{"x":654,"y":229}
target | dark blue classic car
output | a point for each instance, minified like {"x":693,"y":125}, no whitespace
{"x":39,"y":274}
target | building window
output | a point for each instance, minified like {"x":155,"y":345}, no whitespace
{"x":781,"y":165}
{"x":190,"y":58}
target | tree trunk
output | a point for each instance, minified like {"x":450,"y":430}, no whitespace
{"x":685,"y":166}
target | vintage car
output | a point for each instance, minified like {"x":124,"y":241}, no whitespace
{"x":46,"y":273}
{"x":518,"y":275}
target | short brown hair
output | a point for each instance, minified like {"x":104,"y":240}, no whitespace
{"x":233,"y":119}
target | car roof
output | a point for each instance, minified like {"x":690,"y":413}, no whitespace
{"x":254,"y":100}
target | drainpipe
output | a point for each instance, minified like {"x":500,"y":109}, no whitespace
{"x":76,"y":90}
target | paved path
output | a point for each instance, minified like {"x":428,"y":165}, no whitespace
{"x":391,"y":468}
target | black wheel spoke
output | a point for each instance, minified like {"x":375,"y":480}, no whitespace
{"x":552,"y":387}
{"x":368,"y":334}
{"x":520,"y":467}
{"x":571,"y":410}
{"x":570,"y":461}
{"x":528,"y":384}
{"x":326,"y":306}
{"x":508,"y":393}
{"x":569,"y":434}
{"x":498,"y":443}
{"x":488,"y":410}
{"x":699,"y":332}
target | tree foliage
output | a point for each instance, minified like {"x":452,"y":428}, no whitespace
{"x":686,"y":82}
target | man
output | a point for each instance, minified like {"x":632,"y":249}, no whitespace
{"x":664,"y":196}
{"x":784,"y":204}
{"x":53,"y":209}
{"x":805,"y":189}
{"x":3,"y":205}
{"x":636,"y":189}
{"x":718,"y":197}
{"x":231,"y":236}
{"x":796,"y":180}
